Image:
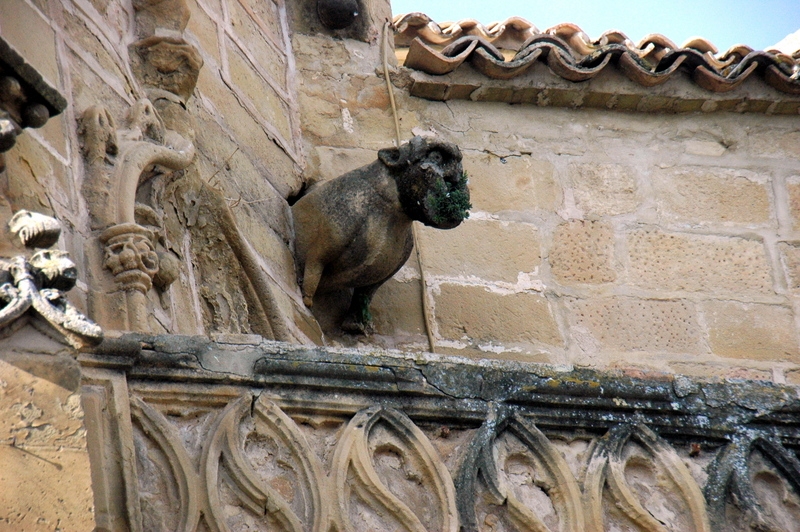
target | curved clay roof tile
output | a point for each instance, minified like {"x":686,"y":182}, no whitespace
{"x":700,"y":44}
{"x":570,"y":54}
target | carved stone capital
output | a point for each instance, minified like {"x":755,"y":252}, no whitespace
{"x":131,"y":256}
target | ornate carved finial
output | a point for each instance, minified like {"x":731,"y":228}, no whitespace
{"x":36,"y":285}
{"x":131,"y":256}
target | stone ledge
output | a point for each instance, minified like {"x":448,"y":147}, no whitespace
{"x":429,"y":386}
{"x":610,"y":90}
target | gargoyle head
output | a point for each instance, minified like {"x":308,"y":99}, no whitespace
{"x":430,"y":181}
{"x":53,"y":268}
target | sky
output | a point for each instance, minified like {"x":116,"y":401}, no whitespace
{"x":756,"y":23}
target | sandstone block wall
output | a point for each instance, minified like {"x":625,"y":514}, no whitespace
{"x":612,"y":239}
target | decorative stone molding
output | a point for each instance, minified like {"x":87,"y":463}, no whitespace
{"x":119,"y":161}
{"x":270,"y":435}
{"x":36,"y":285}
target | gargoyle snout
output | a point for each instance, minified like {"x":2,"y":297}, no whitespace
{"x":433,"y":168}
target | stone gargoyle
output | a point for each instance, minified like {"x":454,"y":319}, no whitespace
{"x":354,"y":232}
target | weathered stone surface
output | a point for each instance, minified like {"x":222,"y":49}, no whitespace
{"x":204,"y":30}
{"x":604,"y":189}
{"x":773,"y":143}
{"x":397,"y":308}
{"x":34,"y":177}
{"x":251,"y":137}
{"x":45,"y":480}
{"x":334,"y":162}
{"x":518,"y":183}
{"x":629,"y":324}
{"x":751,"y":331}
{"x":45,"y":489}
{"x":793,"y":189}
{"x":704,"y":148}
{"x":268,"y":16}
{"x":698,"y":263}
{"x":89,"y":87}
{"x":475,"y":313}
{"x":790,"y":257}
{"x":86,"y":41}
{"x":269,"y":103}
{"x":263,"y":46}
{"x":703,"y":195}
{"x":583,"y":252}
{"x":486,"y":249}
{"x":720,"y":371}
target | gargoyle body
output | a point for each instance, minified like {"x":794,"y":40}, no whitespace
{"x":354,"y":232}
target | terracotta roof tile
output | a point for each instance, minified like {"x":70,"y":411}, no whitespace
{"x":504,"y":50}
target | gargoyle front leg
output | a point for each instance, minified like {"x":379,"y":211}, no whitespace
{"x":359,"y":319}
{"x":311,"y":276}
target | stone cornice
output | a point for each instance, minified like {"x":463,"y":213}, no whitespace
{"x":428,"y":386}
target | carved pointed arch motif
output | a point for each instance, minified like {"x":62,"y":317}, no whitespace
{"x":544,"y":469}
{"x":255,"y":470}
{"x":386,"y":472}
{"x":166,"y":438}
{"x":627,"y":447}
{"x":734,"y":478}
{"x":307,"y":510}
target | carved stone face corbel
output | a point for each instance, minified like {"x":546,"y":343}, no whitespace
{"x":35,"y":285}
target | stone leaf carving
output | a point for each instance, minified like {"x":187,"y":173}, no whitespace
{"x":387,"y":476}
{"x":647,"y":482}
{"x":37,"y":284}
{"x":525,"y":479}
{"x":761,"y":478}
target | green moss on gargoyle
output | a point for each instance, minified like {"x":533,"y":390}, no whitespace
{"x":450,"y":202}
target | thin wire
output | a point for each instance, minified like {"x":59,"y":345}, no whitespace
{"x":426,"y":308}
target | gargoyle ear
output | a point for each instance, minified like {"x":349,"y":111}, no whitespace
{"x":391,"y":157}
